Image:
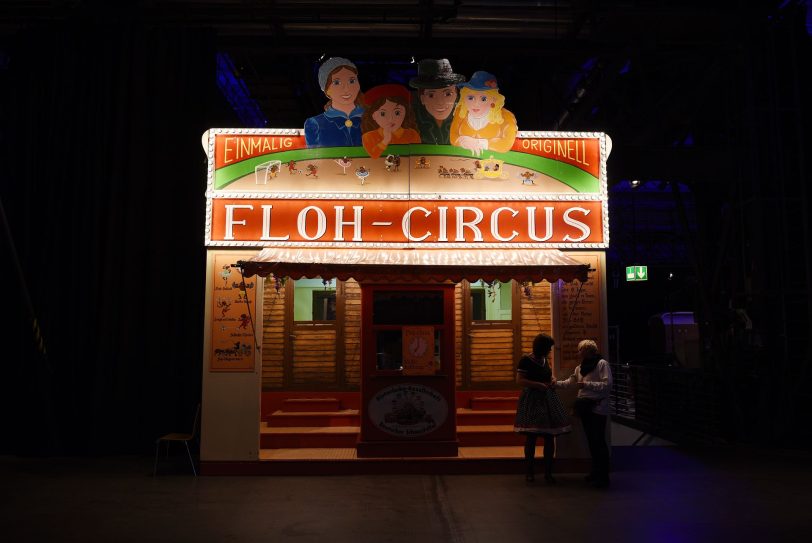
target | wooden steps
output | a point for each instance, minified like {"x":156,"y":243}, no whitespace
{"x":491,"y":435}
{"x":304,"y":405}
{"x":344,"y":417}
{"x":321,"y":423}
{"x":494,"y":403}
{"x":470,"y":417}
{"x":305,"y":437}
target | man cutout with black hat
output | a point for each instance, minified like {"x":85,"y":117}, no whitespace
{"x":436,"y":85}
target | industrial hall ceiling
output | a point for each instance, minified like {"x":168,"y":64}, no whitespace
{"x":663,"y":79}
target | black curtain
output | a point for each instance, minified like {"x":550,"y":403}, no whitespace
{"x":103,"y":187}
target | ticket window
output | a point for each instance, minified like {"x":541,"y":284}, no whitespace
{"x":394,"y":310}
{"x":408,"y":403}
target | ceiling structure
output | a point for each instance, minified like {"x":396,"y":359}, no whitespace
{"x":650,"y":74}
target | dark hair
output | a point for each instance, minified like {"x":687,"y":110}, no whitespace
{"x":542,"y":344}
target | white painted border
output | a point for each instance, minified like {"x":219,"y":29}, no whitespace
{"x":211,"y":194}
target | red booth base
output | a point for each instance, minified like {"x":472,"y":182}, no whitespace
{"x":407,"y":449}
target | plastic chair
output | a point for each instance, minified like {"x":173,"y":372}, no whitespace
{"x":185,"y":438}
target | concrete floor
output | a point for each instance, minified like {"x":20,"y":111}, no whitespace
{"x":657,"y":494}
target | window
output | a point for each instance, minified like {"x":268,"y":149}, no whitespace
{"x":492,"y":302}
{"x":314,"y":300}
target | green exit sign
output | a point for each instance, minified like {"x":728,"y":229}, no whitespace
{"x":636,"y":273}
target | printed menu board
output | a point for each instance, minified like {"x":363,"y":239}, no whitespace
{"x":233,"y":309}
{"x":579,"y":313}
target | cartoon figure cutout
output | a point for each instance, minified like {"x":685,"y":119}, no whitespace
{"x":436,"y":92}
{"x":388,"y":119}
{"x":480,"y":121}
{"x":340,"y":124}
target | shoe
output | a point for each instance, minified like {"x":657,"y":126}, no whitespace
{"x":530,"y":478}
{"x":550,"y":480}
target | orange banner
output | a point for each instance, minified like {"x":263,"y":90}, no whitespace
{"x":580,"y":152}
{"x":415,"y":222}
{"x":236,"y":148}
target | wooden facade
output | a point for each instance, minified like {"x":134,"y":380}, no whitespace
{"x":326,"y":356}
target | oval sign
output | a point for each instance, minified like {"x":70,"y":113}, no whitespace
{"x":408,"y":410}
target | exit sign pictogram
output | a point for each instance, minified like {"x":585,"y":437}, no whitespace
{"x":636,"y":273}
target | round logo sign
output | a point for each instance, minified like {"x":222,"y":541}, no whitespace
{"x":408,"y":410}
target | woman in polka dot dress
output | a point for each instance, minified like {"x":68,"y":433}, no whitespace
{"x":540,"y":411}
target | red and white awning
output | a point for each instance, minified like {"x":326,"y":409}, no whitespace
{"x":417,"y":265}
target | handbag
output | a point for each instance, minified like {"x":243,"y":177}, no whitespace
{"x":582,"y":407}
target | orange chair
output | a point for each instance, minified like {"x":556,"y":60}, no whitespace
{"x":185,"y":438}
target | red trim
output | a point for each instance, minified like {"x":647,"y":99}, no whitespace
{"x":380,"y":466}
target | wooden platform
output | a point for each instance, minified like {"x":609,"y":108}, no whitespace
{"x":343,"y":461}
{"x":318,"y":435}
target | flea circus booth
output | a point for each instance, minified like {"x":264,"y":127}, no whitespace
{"x":367,"y":314}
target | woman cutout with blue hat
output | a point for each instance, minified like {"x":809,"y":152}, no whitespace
{"x":480,"y":121}
{"x":340,"y":124}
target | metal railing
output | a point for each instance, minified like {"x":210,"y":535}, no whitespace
{"x":676,"y":404}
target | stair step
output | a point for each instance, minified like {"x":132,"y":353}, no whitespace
{"x":307,"y":437}
{"x":485,"y":403}
{"x":298,"y":405}
{"x":344,"y":417}
{"x":492,"y":435}
{"x":480,"y":417}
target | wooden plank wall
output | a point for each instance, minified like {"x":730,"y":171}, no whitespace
{"x":314,"y":354}
{"x":273,"y":337}
{"x":352,"y":334}
{"x":491,"y":355}
{"x":537,"y":314}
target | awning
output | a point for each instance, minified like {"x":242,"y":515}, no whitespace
{"x":417,"y":265}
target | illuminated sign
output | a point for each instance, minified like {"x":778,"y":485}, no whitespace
{"x":636,"y":273}
{"x":268,"y":188}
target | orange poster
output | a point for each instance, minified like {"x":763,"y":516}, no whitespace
{"x":232,"y":332}
{"x":418,"y":350}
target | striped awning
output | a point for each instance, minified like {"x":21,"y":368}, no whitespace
{"x":416,"y":265}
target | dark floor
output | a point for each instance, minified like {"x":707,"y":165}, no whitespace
{"x":657,"y":494}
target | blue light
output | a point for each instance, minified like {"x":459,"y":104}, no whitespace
{"x":235,"y":91}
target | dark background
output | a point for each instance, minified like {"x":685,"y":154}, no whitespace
{"x":103,"y":178}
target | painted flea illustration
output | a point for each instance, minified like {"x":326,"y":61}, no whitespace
{"x":362,"y":174}
{"x":490,"y":169}
{"x":266,"y":171}
{"x":340,"y":124}
{"x":392,"y":163}
{"x":224,"y":305}
{"x":454,"y":173}
{"x":344,"y":162}
{"x":527,"y":178}
{"x":388,"y":119}
{"x":480,"y":121}
{"x":239,"y":349}
{"x":225,"y":273}
{"x":292,"y":170}
{"x":312,"y":170}
{"x":422,"y":163}
{"x":244,"y":322}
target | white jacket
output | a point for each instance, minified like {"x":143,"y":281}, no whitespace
{"x":597,"y":385}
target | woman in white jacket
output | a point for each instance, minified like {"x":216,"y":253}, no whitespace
{"x":593,"y":379}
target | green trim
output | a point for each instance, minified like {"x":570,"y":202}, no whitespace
{"x":572,"y":176}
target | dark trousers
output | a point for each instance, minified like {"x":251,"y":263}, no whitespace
{"x":595,"y":430}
